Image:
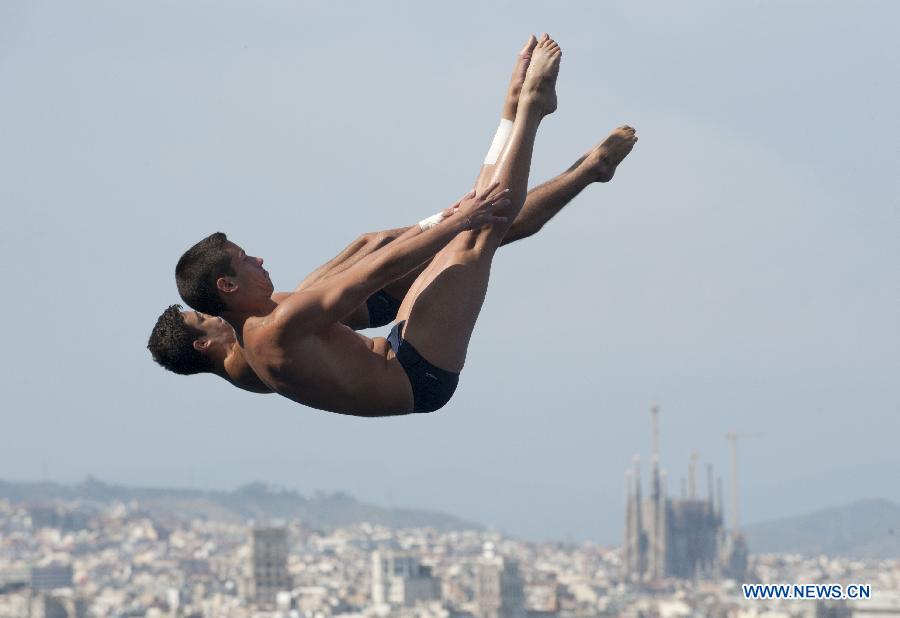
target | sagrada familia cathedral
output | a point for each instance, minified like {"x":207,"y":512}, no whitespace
{"x":680,"y":538}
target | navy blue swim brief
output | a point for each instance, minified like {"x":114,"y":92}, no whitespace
{"x":432,"y":387}
{"x":382,"y":308}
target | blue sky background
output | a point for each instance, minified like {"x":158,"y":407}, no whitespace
{"x":741,"y":269}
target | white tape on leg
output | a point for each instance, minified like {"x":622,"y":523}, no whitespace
{"x":500,"y":139}
{"x":431,"y":221}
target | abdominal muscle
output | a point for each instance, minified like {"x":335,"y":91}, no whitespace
{"x":336,"y":369}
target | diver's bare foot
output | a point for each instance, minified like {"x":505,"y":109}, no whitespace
{"x":517,"y":79}
{"x":539,"y":87}
{"x":606,"y":156}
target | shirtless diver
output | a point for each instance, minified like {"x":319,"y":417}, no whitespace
{"x":296,"y":343}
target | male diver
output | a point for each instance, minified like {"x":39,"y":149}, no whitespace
{"x":190,"y":342}
{"x":297,"y":345}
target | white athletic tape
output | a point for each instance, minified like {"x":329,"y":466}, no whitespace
{"x":500,"y":139}
{"x":431,"y":221}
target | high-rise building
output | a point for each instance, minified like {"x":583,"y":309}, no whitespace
{"x":57,"y":606}
{"x":683,"y":538}
{"x":499,"y":588}
{"x":51,"y":576}
{"x":56,"y":516}
{"x":399,"y":579}
{"x":268,"y":565}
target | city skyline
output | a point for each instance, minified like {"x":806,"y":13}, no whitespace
{"x":872,"y":536}
{"x":133,"y":560}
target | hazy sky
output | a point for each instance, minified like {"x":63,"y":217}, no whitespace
{"x":741,"y":269}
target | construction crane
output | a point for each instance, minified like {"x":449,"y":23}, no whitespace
{"x":732,"y":437}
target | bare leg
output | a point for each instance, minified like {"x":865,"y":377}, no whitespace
{"x":546,"y":200}
{"x":541,"y":204}
{"x":444,"y":302}
{"x":361,"y":247}
{"x":355,"y":251}
{"x":400,"y":288}
{"x":511,"y":103}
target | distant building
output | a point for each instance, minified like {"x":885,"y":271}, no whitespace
{"x":47,"y":606}
{"x":51,"y":577}
{"x":14,"y":578}
{"x":733,"y":555}
{"x":399,"y":579}
{"x":840,"y":609}
{"x":53,"y":516}
{"x":195,"y":567}
{"x":268,"y":565}
{"x":683,"y":538}
{"x":499,"y":588}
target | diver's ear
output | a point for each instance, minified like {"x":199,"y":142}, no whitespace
{"x":202,"y":344}
{"x":226,"y":285}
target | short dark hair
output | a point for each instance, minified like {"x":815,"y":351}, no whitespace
{"x":172,"y":344}
{"x":197,"y":271}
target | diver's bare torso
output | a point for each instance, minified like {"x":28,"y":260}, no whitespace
{"x":335,"y":369}
{"x":241,"y":375}
{"x":238,"y":371}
